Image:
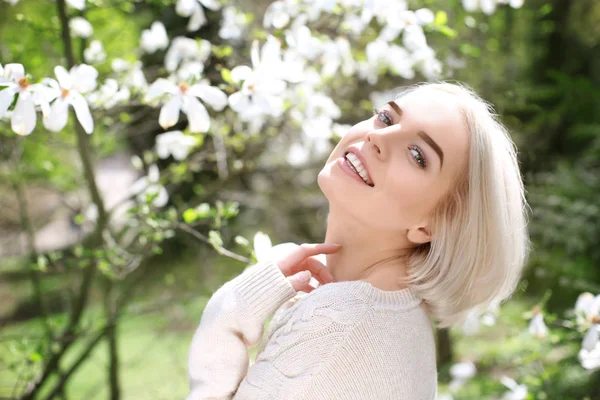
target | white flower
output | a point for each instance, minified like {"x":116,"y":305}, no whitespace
{"x":537,"y":326}
{"x":132,"y":74}
{"x":184,"y":50}
{"x":23,"y":117}
{"x":424,"y":16}
{"x":471,"y":324}
{"x":262,"y":245}
{"x":155,"y":38}
{"x":517,"y":392}
{"x":109,"y":95}
{"x":94,"y":54}
{"x":461,"y":372}
{"x":80,"y":27}
{"x":149,"y":186}
{"x":69,"y":91}
{"x":12,"y":2}
{"x":297,"y":154}
{"x":185,"y":98}
{"x":193,"y":8}
{"x":335,"y":54}
{"x":263,"y":85}
{"x":77,"y":4}
{"x":278,"y":13}
{"x":589,"y":355}
{"x":587,"y":309}
{"x":174,"y":143}
{"x":234,"y":22}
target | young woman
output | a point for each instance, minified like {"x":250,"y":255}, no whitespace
{"x":427,"y":221}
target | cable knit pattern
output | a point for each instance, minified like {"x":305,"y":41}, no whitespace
{"x":344,"y":340}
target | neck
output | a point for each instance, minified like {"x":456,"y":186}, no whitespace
{"x":367,"y":254}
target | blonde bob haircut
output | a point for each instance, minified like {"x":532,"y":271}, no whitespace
{"x":479,"y":230}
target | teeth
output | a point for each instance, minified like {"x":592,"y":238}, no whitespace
{"x":355,"y":162}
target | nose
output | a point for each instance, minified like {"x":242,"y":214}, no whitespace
{"x":380,"y":139}
{"x":372,"y":141}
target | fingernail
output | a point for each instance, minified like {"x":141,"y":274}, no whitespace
{"x":304,"y":276}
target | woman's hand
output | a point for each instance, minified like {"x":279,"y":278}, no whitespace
{"x":296,"y":263}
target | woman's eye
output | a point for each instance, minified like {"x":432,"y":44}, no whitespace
{"x":417,"y":154}
{"x":383,"y":116}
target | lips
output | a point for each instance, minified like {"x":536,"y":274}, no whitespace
{"x":358,"y":153}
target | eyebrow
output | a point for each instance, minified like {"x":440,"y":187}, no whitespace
{"x":421,"y":134}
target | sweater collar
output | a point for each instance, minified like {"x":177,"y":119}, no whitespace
{"x":376,"y":296}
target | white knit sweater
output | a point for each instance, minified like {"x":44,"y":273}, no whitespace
{"x":344,"y":340}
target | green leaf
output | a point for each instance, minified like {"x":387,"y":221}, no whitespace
{"x":441,"y":18}
{"x":226,"y":75}
{"x":447,"y":31}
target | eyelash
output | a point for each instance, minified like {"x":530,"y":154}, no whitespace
{"x":381,"y":115}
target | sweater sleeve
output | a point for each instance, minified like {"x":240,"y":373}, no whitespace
{"x":232,"y":321}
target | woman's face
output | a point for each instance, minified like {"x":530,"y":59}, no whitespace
{"x":413,"y":149}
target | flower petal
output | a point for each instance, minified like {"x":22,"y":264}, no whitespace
{"x":159,"y":87}
{"x":209,"y":94}
{"x":84,"y":78}
{"x":169,"y":113}
{"x":59,"y":113}
{"x":82,"y":111}
{"x":6,"y":98}
{"x":238,"y":101}
{"x":213,"y":5}
{"x":241,"y":73}
{"x":63,"y":77}
{"x":14,"y":72}
{"x":198,"y":117}
{"x":24,"y":117}
{"x":198,"y":20}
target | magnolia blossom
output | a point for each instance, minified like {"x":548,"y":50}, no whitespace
{"x":279,"y":13}
{"x":174,"y":143}
{"x":80,"y":27}
{"x":149,"y":186}
{"x":184,"y":50}
{"x":185,"y":98}
{"x":516,"y":392}
{"x":155,"y":38}
{"x":233,"y":25}
{"x":489,"y":6}
{"x":69,"y":91}
{"x":461,"y":373}
{"x":109,"y":95}
{"x":537,"y":326}
{"x":131,"y":75}
{"x":297,"y":154}
{"x":263,"y":84}
{"x":77,"y":4}
{"x":193,"y":9}
{"x":262,"y":245}
{"x":587,"y":309}
{"x":23,"y":117}
{"x":338,"y":54}
{"x":94,"y":54}
{"x":589,"y":355}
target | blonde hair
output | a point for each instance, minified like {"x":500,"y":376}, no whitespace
{"x":480,"y":241}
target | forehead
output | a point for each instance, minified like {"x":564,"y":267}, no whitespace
{"x":438,"y":114}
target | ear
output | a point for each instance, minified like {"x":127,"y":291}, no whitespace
{"x":419,"y":235}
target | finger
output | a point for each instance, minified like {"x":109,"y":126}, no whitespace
{"x":319,"y":270}
{"x":300,"y":280}
{"x":305,"y":250}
